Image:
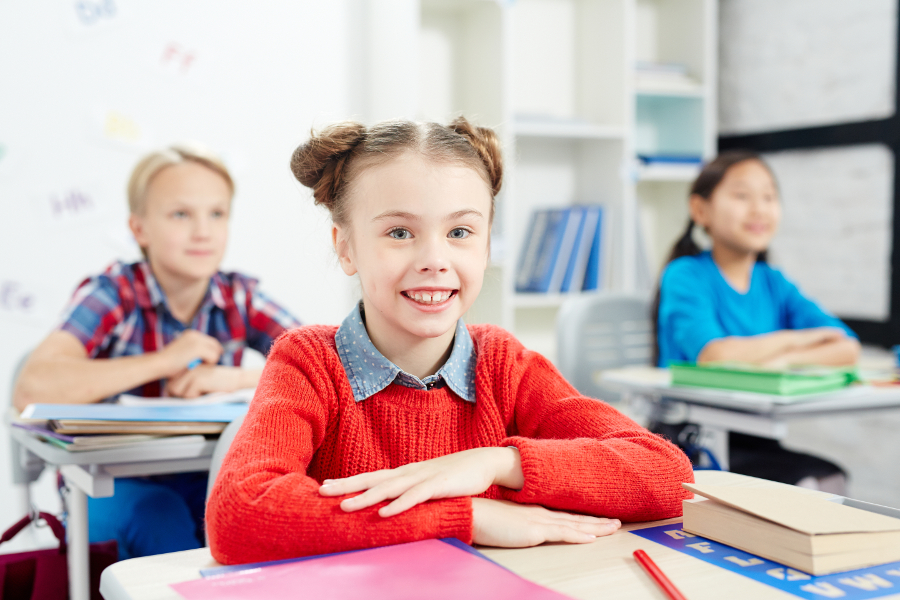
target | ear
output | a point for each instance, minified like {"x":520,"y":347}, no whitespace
{"x":700,"y":209}
{"x":341,"y":242}
{"x":136,"y":224}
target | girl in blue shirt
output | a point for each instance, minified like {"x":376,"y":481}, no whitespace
{"x":728,"y":304}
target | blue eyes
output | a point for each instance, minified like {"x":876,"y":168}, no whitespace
{"x":459,"y":233}
{"x":400,"y":234}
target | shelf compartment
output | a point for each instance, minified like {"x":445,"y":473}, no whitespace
{"x":669,"y":125}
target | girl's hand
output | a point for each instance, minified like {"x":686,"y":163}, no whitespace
{"x":466,"y":473}
{"x":204,"y":379}
{"x":510,"y":525}
{"x":818,"y":335}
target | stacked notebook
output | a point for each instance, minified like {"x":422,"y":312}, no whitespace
{"x":77,"y":427}
{"x":795,"y":528}
{"x":750,"y":378}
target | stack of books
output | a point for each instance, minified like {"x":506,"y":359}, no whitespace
{"x":794,"y":527}
{"x":562,"y":251}
{"x":80,"y":427}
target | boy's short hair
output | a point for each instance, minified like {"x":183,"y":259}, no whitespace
{"x":156,"y":161}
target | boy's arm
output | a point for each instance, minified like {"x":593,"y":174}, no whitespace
{"x":838,"y":352}
{"x":580,"y":454}
{"x":59,"y":370}
{"x":264,"y":506}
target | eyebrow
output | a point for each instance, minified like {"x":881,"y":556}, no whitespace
{"x":399,"y":214}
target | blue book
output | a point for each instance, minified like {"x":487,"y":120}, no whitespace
{"x":207,"y":413}
{"x":574,"y":218}
{"x":593,"y":276}
{"x":581,"y":250}
{"x":548,"y":250}
{"x":530,"y":248}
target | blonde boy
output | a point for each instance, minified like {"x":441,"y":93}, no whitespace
{"x":140,"y":327}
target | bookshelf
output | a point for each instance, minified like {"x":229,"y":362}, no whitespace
{"x":577,"y":90}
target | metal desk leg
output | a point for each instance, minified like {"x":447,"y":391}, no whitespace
{"x":716,"y":440}
{"x":79,"y":550}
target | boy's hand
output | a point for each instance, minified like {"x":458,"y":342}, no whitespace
{"x":204,"y":379}
{"x":818,"y":335}
{"x":510,"y":525}
{"x":188,"y":346}
{"x":466,"y":473}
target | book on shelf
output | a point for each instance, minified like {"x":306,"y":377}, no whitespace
{"x":795,"y":527}
{"x":655,"y":77}
{"x":593,"y":271}
{"x":691,"y":160}
{"x":558,"y":248}
{"x":743,"y":377}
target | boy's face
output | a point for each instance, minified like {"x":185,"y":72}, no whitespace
{"x":184,"y":226}
{"x":418,"y":237}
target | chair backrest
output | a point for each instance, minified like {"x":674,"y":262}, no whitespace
{"x":218,"y":455}
{"x":602,"y":331}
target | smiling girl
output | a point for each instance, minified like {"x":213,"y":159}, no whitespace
{"x":404,"y":423}
{"x":728,"y":304}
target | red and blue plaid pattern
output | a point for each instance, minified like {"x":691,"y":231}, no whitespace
{"x":123,"y":312}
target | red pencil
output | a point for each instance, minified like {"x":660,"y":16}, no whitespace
{"x":657,"y":575}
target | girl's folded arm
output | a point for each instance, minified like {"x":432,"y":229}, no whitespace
{"x":264,"y":506}
{"x":580,"y":454}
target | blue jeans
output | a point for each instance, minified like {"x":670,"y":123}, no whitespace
{"x":151,"y":515}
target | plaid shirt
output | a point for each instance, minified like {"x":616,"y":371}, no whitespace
{"x":123,"y":312}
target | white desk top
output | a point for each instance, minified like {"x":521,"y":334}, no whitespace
{"x":603,"y":569}
{"x":657,"y":383}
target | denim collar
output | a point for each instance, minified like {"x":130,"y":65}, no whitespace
{"x":370,"y":372}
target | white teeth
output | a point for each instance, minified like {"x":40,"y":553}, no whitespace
{"x":429,"y":297}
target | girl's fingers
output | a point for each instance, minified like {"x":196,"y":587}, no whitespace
{"x":356,"y":483}
{"x":415,"y":495}
{"x":563,"y":533}
{"x":383,"y":491}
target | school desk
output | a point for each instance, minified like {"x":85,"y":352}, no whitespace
{"x":719,"y":411}
{"x":93,"y":473}
{"x":604,"y":569}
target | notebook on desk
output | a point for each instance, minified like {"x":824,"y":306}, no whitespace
{"x":793,"y":381}
{"x":426,"y":569}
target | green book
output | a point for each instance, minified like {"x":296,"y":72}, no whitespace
{"x":741,"y":377}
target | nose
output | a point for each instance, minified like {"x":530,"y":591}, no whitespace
{"x":202,"y":227}
{"x":433,"y":255}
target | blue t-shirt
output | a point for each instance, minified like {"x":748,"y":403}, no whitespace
{"x":698,"y":305}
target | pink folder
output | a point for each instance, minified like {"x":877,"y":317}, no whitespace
{"x":427,"y":569}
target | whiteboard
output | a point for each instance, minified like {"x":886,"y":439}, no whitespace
{"x":88,"y":86}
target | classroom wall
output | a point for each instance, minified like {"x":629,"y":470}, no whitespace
{"x":89,"y":86}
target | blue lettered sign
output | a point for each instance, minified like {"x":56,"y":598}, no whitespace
{"x":861,"y":584}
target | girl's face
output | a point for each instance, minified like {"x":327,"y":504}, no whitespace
{"x":743,"y":211}
{"x":418,"y":238}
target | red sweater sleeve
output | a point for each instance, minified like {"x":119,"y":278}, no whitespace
{"x":265,"y":507}
{"x":580,"y":454}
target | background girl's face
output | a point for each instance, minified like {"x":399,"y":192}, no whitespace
{"x":418,"y":237}
{"x":743,"y":211}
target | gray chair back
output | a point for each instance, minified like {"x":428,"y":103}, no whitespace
{"x":596,"y":332}
{"x":218,"y":455}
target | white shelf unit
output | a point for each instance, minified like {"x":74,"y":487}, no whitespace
{"x":557,"y":80}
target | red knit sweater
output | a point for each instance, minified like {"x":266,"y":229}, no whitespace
{"x":304,"y":426}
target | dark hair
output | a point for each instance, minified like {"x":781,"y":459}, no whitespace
{"x":706,"y":183}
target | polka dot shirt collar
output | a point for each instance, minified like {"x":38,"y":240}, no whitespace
{"x":370,"y":372}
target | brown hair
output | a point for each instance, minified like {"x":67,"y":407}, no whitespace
{"x":704,"y":186}
{"x":331,"y":159}
{"x":156,"y":161}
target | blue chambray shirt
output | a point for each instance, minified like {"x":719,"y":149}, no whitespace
{"x":370,"y":372}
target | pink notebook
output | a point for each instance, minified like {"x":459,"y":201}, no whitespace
{"x":426,"y":569}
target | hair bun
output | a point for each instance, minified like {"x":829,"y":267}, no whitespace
{"x":486,"y":143}
{"x":319,"y":162}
